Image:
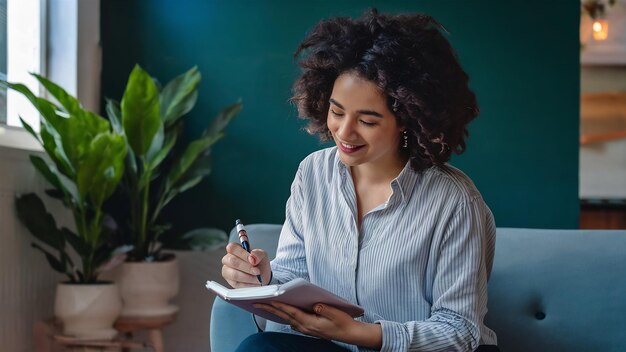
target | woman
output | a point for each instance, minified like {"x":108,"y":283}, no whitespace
{"x":380,"y":219}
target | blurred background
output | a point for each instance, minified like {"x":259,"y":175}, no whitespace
{"x":547,"y":151}
{"x":523,"y":60}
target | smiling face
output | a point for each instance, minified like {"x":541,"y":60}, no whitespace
{"x":365,"y":131}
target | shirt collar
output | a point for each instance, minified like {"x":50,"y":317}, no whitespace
{"x":405,"y":182}
{"x":402,"y":184}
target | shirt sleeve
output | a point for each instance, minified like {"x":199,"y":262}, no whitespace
{"x":459,"y":292}
{"x":290,"y":262}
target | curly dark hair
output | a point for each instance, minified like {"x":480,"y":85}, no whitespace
{"x":409,"y":59}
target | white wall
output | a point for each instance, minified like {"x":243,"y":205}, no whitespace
{"x":27,"y":283}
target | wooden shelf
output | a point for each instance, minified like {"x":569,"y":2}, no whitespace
{"x":602,"y":117}
{"x":602,"y":137}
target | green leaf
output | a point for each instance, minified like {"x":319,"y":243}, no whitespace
{"x":80,"y":127}
{"x":52,"y":144}
{"x":80,"y":246}
{"x":69,"y":103}
{"x":52,"y":126}
{"x":223,"y":119}
{"x":200,"y":168}
{"x":157,"y":144}
{"x":102,"y":167}
{"x":115,"y":115}
{"x":193,"y":151}
{"x":202,"y":239}
{"x":46,"y":171}
{"x":141,"y":111}
{"x":30,"y":130}
{"x":189,"y":184}
{"x":78,"y":135}
{"x":163,"y":153}
{"x":32,"y":213}
{"x":179,"y":96}
{"x":46,"y":108}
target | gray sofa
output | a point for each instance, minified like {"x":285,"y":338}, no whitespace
{"x":550,"y":290}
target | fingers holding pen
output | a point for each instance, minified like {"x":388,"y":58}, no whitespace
{"x":259,"y":259}
{"x":237,"y":269}
{"x":238,"y":278}
{"x":237,"y":258}
{"x":236,"y":250}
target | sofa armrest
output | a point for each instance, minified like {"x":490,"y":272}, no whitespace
{"x":231,"y":324}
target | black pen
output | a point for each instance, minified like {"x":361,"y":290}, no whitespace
{"x":245,"y":243}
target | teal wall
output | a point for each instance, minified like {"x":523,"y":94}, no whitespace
{"x":522,"y":57}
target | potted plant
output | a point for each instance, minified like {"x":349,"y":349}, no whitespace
{"x":84,"y":164}
{"x":151,"y":121}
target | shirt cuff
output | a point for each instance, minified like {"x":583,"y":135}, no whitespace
{"x":273,"y":279}
{"x":395,"y":336}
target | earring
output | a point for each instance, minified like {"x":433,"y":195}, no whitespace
{"x":406,"y":139}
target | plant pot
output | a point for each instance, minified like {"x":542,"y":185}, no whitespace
{"x":88,"y":311}
{"x":147,"y":287}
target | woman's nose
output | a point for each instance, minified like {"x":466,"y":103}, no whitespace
{"x":346,"y":129}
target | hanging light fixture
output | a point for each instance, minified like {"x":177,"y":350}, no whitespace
{"x":600,"y":29}
{"x":597,"y":11}
{"x":600,"y":25}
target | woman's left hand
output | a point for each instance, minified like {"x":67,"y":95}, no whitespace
{"x":327,"y":322}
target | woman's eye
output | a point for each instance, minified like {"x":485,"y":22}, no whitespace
{"x":368,"y":123}
{"x":335,"y":113}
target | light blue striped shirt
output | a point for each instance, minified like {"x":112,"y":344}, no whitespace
{"x":418,"y":265}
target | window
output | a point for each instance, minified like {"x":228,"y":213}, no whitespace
{"x":3,"y":60}
{"x":61,"y":36}
{"x":23,"y":43}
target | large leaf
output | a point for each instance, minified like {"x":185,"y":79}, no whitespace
{"x":155,"y":161}
{"x":47,"y":172}
{"x":222,"y":119}
{"x":52,"y":125}
{"x":32,"y":213}
{"x":78,"y":243}
{"x":179,"y":96}
{"x":115,"y":115}
{"x":53,"y":145}
{"x":30,"y":130}
{"x":102,"y":167}
{"x":193,"y":151}
{"x":141,"y":111}
{"x":94,"y":123}
{"x":194,"y":164}
{"x":80,"y":127}
{"x":46,"y":108}
{"x":157,"y":144}
{"x":78,"y":134}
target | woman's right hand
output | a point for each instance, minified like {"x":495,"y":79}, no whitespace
{"x":240,"y":268}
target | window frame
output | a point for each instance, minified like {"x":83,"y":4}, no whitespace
{"x":81,"y":48}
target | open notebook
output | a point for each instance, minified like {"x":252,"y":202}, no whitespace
{"x":298,"y":292}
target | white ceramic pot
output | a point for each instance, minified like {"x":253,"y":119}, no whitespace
{"x":147,"y":287}
{"x":88,"y":311}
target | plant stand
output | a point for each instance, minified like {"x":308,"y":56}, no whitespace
{"x":153,"y":325}
{"x":48,"y":336}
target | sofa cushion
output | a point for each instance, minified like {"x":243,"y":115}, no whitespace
{"x":559,"y":290}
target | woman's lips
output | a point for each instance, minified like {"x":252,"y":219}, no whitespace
{"x":349,"y":148}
